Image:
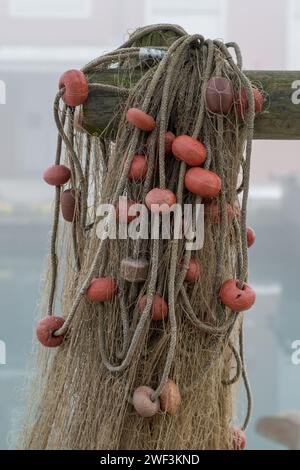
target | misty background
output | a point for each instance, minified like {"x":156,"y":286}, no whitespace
{"x":39,"y":40}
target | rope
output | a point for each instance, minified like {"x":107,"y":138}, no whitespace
{"x":53,"y":255}
{"x":246,"y":382}
{"x":239,"y":367}
{"x":156,"y":93}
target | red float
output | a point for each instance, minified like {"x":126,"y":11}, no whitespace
{"x":76,"y":87}
{"x":45,"y":329}
{"x":239,"y":439}
{"x":68,"y":204}
{"x":202,"y":182}
{"x":219,"y":95}
{"x":212,"y":211}
{"x":189,"y":150}
{"x":242,"y":102}
{"x":122,"y":211}
{"x":193,"y":272}
{"x":250,"y":237}
{"x":159,"y":308}
{"x":56,"y":175}
{"x":169,"y":139}
{"x":258,"y":100}
{"x":138,"y":168}
{"x":235,"y":298}
{"x":102,"y":289}
{"x":139,"y":119}
{"x":160,"y":200}
{"x":143,"y":403}
{"x":170,"y":398}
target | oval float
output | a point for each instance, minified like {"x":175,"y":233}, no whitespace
{"x":235,"y":298}
{"x":102,"y":289}
{"x":159,"y":309}
{"x":136,"y":117}
{"x":45,"y":329}
{"x":68,"y":204}
{"x":160,"y":200}
{"x":189,"y":150}
{"x":204,"y":183}
{"x":57,"y":175}
{"x":219,"y":95}
{"x":76,"y":87}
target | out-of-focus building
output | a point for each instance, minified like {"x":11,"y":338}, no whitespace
{"x":41,"y":39}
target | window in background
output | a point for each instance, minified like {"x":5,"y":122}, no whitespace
{"x":28,"y":139}
{"x":207,"y":17}
{"x":50,"y":8}
{"x":273,"y":324}
{"x":293,"y":34}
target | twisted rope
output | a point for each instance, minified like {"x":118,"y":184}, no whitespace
{"x":175,"y":59}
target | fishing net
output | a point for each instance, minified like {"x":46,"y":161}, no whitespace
{"x":82,"y":395}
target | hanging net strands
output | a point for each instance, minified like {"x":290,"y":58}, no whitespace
{"x":149,"y":339}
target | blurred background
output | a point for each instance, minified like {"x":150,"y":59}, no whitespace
{"x":41,"y":39}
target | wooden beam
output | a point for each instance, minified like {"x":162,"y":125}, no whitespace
{"x":280,"y":119}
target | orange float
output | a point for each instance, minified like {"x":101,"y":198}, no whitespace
{"x":189,"y":150}
{"x":170,"y":398}
{"x":102,"y":289}
{"x":76,"y":87}
{"x":242,"y":102}
{"x":160,"y":200}
{"x":258,"y":100}
{"x":46,"y":328}
{"x":212,"y":211}
{"x":122,"y":211}
{"x":57,"y":175}
{"x":169,"y":139}
{"x":136,"y":117}
{"x":250,"y":237}
{"x":193,"y":271}
{"x":204,"y":183}
{"x":138,"y":168}
{"x":159,"y":309}
{"x":235,"y":298}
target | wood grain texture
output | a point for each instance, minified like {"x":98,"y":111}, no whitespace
{"x":280,"y":119}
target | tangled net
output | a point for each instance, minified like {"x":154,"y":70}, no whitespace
{"x":81,"y":397}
